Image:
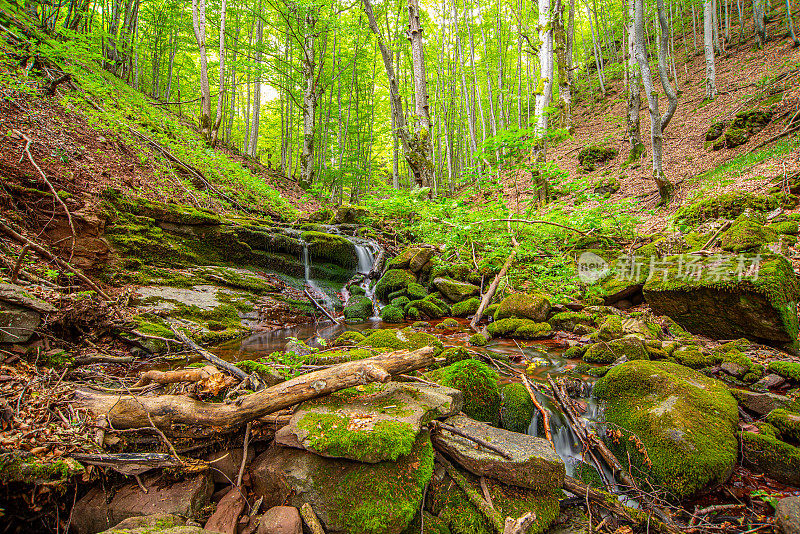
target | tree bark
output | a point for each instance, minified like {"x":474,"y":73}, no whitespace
{"x":564,"y":85}
{"x":634,"y":93}
{"x":199,"y":25}
{"x":309,"y":102}
{"x":167,"y":411}
{"x":423,"y":148}
{"x":221,"y":96}
{"x":708,"y":47}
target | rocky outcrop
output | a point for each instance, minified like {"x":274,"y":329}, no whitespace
{"x":685,"y":421}
{"x":456,"y":291}
{"x":349,"y":497}
{"x":523,"y":306}
{"x":478,"y":383}
{"x":20,"y":313}
{"x":534,"y":463}
{"x":747,"y":295}
{"x":380,"y":424}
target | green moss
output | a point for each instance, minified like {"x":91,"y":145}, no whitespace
{"x":478,"y":383}
{"x":774,"y":457}
{"x":416,"y":291}
{"x":587,"y":473}
{"x":611,"y":328}
{"x":568,"y":320}
{"x":516,"y":408}
{"x":786,"y":369}
{"x":785,"y":227}
{"x":330,"y":248}
{"x":585,"y":369}
{"x":448,"y":324}
{"x":455,"y":354}
{"x":692,"y":356}
{"x":686,"y":421}
{"x":523,"y":306}
{"x":400,"y":302}
{"x":421,"y":325}
{"x":747,"y":234}
{"x":392,"y":314}
{"x":389,"y":339}
{"x":427,"y":524}
{"x":358,"y":308}
{"x":329,"y":435}
{"x":611,"y":351}
{"x":351,"y":337}
{"x":727,"y":205}
{"x":521,"y":328}
{"x":466,"y":307}
{"x":575,"y":351}
{"x":478,"y":340}
{"x":591,"y":156}
{"x":393,"y":280}
{"x":33,"y":470}
{"x":428,"y":308}
{"x":787,"y":423}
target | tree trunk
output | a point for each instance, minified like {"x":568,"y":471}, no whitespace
{"x":199,"y":25}
{"x":759,"y":24}
{"x":221,"y":97}
{"x":791,"y":23}
{"x":253,"y":148}
{"x":634,"y":94}
{"x":564,"y":85}
{"x":708,"y":35}
{"x":309,"y":103}
{"x":424,"y":171}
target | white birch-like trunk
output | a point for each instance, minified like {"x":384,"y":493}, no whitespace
{"x":221,"y":96}
{"x":708,"y":47}
{"x":634,"y":93}
{"x":309,"y":104}
{"x":199,"y":24}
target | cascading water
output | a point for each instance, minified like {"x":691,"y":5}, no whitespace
{"x":365,"y":252}
{"x":316,"y":288}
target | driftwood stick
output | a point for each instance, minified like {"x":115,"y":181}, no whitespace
{"x":492,"y":289}
{"x":711,"y":241}
{"x":311,"y":519}
{"x":244,"y":454}
{"x":475,"y":498}
{"x":520,"y":525}
{"x":18,"y":264}
{"x":320,"y":307}
{"x":545,"y":415}
{"x":215,"y":360}
{"x":127,"y":411}
{"x":479,"y":441}
{"x":174,"y":377}
{"x":6,"y":229}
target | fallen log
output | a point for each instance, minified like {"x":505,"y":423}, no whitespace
{"x":167,"y":411}
{"x":320,"y":307}
{"x":173,"y":377}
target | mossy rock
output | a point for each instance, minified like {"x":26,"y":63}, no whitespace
{"x":416,"y":291}
{"x":478,"y":383}
{"x":686,"y":421}
{"x":330,"y":248}
{"x":520,"y":328}
{"x":400,"y":302}
{"x":725,"y":205}
{"x":516,"y":408}
{"x":715,"y":131}
{"x":787,"y":423}
{"x":610,"y":329}
{"x":593,"y":155}
{"x":785,"y":227}
{"x":478,"y":340}
{"x":630,"y":347}
{"x":392,"y":281}
{"x":427,"y":523}
{"x":692,"y":356}
{"x":466,"y":308}
{"x":606,"y":186}
{"x":351,"y":214}
{"x":448,"y":324}
{"x":358,"y":308}
{"x":747,"y":234}
{"x":455,"y":354}
{"x":413,"y":258}
{"x":736,"y":136}
{"x":568,"y":320}
{"x":772,"y":456}
{"x":786,"y":369}
{"x":411,"y":340}
{"x":33,"y":470}
{"x":449,"y":502}
{"x":762,"y":308}
{"x":351,"y":337}
{"x":523,"y":306}
{"x":392,"y":314}
{"x":427,"y":308}
{"x":454,"y":290}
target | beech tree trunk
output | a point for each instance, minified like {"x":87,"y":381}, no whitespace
{"x":199,"y":25}
{"x":564,"y":83}
{"x":309,"y":102}
{"x":708,"y":47}
{"x":634,"y":93}
{"x":221,"y":97}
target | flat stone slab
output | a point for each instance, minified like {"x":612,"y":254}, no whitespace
{"x":14,"y":294}
{"x":380,"y":424}
{"x":760,"y":402}
{"x":534,"y":462}
{"x":159,"y":297}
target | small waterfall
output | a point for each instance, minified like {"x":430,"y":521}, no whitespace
{"x":314,"y":286}
{"x":366,"y":252}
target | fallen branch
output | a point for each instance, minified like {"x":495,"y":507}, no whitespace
{"x":166,"y":411}
{"x":713,"y":239}
{"x":520,"y":525}
{"x":18,"y":264}
{"x":475,"y":498}
{"x":6,"y":229}
{"x":27,"y":149}
{"x":493,"y":287}
{"x":175,"y":377}
{"x":129,"y":463}
{"x":320,"y":306}
{"x":545,"y":415}
{"x":215,"y":360}
{"x":52,"y":86}
{"x":311,"y":519}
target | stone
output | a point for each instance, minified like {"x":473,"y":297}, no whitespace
{"x":348,"y":496}
{"x":787,"y":515}
{"x":734,"y":369}
{"x":747,"y":233}
{"x":330,"y":248}
{"x":393,"y":280}
{"x":770,"y":381}
{"x":478,"y":383}
{"x":762,"y":308}
{"x":151,"y":521}
{"x":184,"y":498}
{"x":760,"y":402}
{"x":629,"y":347}
{"x":772,"y":456}
{"x":686,"y":422}
{"x":523,"y":306}
{"x":456,"y":291}
{"x":17,"y":323}
{"x":225,"y":464}
{"x":420,"y":259}
{"x":534,"y":463}
{"x":225,"y":518}
{"x":379,"y":424}
{"x":281,"y":520}
{"x":14,"y":294}
{"x":516,"y":408}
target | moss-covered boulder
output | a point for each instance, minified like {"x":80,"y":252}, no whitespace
{"x":593,"y":155}
{"x":520,"y":328}
{"x":330,"y":248}
{"x":413,"y":258}
{"x":351,"y":337}
{"x":785,"y":227}
{"x":747,"y":295}
{"x":568,"y":320}
{"x":724,"y":205}
{"x":715,"y":131}
{"x":611,"y":328}
{"x":456,"y":291}
{"x":405,"y":339}
{"x":516,"y":408}
{"x":376,"y":424}
{"x":392,"y":314}
{"x":772,"y":456}
{"x":787,"y":423}
{"x":359,"y":308}
{"x":392,"y":281}
{"x":694,"y":357}
{"x":685,"y":421}
{"x":747,"y":233}
{"x":478,"y":340}
{"x":478,"y":383}
{"x":631,"y":347}
{"x":523,"y":306}
{"x":449,"y":502}
{"x":466,"y":307}
{"x":349,"y":497}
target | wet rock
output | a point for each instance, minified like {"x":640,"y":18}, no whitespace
{"x":226,"y":464}
{"x":225,"y":518}
{"x":523,"y":306}
{"x":393,"y":281}
{"x":521,"y":328}
{"x":348,"y":496}
{"x":185,"y":498}
{"x":456,"y":291}
{"x":787,"y":515}
{"x":772,"y":456}
{"x":330,"y":248}
{"x":686,"y":422}
{"x":534,"y":463}
{"x":20,"y":313}
{"x":761,"y":308}
{"x":629,"y":347}
{"x":358,"y":309}
{"x":162,"y":521}
{"x":760,"y":402}
{"x":380,"y":424}
{"x":516,"y":408}
{"x":281,"y":520}
{"x":734,"y":369}
{"x":770,"y":381}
